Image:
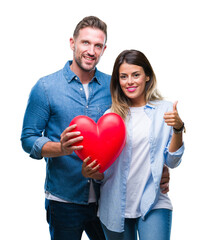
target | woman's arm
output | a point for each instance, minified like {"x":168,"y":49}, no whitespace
{"x":176,"y":142}
{"x":173,"y":119}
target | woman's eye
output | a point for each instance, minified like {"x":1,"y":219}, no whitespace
{"x":122,"y":77}
{"x":136,"y":75}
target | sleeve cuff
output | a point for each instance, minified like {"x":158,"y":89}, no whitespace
{"x":179,"y":151}
{"x":36,"y":149}
{"x":174,"y":158}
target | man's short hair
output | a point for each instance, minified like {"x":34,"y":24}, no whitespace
{"x":93,"y":22}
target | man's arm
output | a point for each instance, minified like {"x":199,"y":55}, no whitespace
{"x":36,"y":118}
{"x":64,"y":147}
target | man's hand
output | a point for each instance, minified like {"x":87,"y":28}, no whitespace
{"x":91,"y":171}
{"x":68,"y":138}
{"x":164,"y":183}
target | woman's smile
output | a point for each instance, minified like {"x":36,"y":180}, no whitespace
{"x":131,"y":89}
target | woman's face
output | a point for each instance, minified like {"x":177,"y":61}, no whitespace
{"x":133,"y":80}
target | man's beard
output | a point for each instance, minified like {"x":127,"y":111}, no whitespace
{"x":80,"y":65}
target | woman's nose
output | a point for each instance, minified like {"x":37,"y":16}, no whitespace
{"x":130,"y":80}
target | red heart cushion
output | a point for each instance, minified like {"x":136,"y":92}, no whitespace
{"x":103,"y":141}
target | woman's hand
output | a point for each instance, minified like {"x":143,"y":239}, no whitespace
{"x":172,"y":118}
{"x":91,"y":171}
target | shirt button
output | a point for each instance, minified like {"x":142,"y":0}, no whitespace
{"x":81,"y":89}
{"x":87,"y":106}
{"x":88,"y":181}
{"x":76,"y":78}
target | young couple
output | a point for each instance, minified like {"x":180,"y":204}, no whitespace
{"x":133,"y":190}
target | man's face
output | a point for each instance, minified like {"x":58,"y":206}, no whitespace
{"x":88,"y":47}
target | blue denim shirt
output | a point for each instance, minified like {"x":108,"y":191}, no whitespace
{"x":113,"y":189}
{"x":53,"y":102}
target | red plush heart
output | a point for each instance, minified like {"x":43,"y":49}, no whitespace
{"x":103,"y":141}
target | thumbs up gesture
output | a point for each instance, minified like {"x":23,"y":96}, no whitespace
{"x":172,"y":118}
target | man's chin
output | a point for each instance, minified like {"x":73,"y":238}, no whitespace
{"x":88,"y":68}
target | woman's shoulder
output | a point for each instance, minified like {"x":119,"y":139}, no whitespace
{"x":162,"y":104}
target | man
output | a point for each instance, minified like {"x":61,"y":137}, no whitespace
{"x":78,"y":89}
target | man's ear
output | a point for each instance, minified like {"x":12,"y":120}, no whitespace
{"x":104,"y":49}
{"x":72,"y":43}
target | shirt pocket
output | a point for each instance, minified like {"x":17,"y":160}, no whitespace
{"x":97,"y":111}
{"x":103,"y":108}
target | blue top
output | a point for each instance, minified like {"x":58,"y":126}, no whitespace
{"x":53,"y":102}
{"x":113,"y":189}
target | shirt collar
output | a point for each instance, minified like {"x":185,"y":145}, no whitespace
{"x":150,"y":105}
{"x":69,"y":75}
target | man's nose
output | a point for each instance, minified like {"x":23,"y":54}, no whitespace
{"x":91,"y":50}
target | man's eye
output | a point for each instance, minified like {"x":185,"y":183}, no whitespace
{"x":99,"y":46}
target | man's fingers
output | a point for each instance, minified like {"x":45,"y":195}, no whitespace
{"x":67,"y":141}
{"x":164,"y":180}
{"x":74,"y":140}
{"x":165,"y":190}
{"x":71,"y":135}
{"x":164,"y":185}
{"x":68,"y":129}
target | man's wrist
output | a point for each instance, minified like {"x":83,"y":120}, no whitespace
{"x":52,"y":149}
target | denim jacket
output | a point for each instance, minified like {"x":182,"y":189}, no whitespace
{"x":53,"y":102}
{"x":113,"y":189}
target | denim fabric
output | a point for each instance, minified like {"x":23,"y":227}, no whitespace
{"x":156,"y":226}
{"x":53,"y":102}
{"x":67,"y":221}
{"x":113,"y":189}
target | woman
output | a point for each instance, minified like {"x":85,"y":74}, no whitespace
{"x":130,"y":199}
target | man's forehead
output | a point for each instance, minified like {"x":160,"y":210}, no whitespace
{"x":92,"y":34}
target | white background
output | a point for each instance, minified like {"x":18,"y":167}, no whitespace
{"x":34,"y":42}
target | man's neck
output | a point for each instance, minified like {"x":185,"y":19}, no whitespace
{"x":84,"y":76}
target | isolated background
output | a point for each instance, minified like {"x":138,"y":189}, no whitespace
{"x":34,"y":42}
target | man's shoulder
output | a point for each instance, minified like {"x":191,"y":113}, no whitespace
{"x":103,"y":78}
{"x":52,"y":76}
{"x":102,"y":75}
{"x":47,"y":82}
